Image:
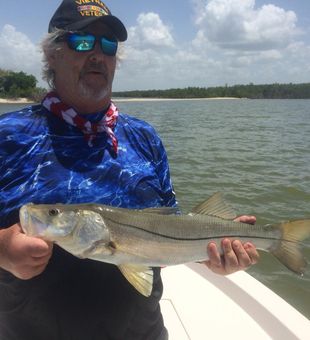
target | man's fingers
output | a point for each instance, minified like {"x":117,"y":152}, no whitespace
{"x":244,"y":259}
{"x":214,"y":256}
{"x":252,"y":252}
{"x":36,"y":247}
{"x":24,"y":256}
{"x":231,"y":260}
{"x":42,"y":250}
{"x":246,"y":219}
{"x":29,"y":272}
{"x":37,"y":261}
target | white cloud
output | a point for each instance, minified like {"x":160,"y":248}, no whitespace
{"x":150,"y":32}
{"x":19,"y":53}
{"x":236,"y":42}
{"x":238,"y":24}
{"x":148,"y":54}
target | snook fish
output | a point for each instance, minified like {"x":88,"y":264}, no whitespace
{"x":136,"y":240}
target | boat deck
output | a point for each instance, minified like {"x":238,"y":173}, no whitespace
{"x":200,"y":305}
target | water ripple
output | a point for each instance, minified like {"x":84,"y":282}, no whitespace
{"x":255,"y":151}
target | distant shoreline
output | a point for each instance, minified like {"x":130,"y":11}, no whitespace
{"x":125,"y":99}
{"x":15,"y":101}
{"x":116,"y":99}
{"x":128,"y":99}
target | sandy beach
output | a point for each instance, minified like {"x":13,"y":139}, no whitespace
{"x":167,"y":99}
{"x":15,"y":101}
{"x":116,"y":99}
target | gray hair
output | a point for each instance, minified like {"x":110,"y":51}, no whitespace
{"x":49,"y":45}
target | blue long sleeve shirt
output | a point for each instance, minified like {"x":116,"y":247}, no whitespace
{"x":45,"y":160}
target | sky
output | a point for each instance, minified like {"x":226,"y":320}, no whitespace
{"x":180,"y":43}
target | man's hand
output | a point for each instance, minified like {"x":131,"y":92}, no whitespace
{"x":23,"y":256}
{"x":236,"y":256}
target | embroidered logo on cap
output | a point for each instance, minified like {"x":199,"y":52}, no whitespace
{"x":92,"y":10}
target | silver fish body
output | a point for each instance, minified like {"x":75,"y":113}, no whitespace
{"x":135,"y":240}
{"x":159,"y":240}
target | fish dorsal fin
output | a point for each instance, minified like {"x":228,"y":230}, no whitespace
{"x":162,"y":210}
{"x":141,"y":277}
{"x":215,"y":206}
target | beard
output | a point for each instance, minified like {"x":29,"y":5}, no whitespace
{"x":94,"y":93}
{"x":95,"y":89}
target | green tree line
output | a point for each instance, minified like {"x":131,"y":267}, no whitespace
{"x":19,"y":84}
{"x":268,"y":91}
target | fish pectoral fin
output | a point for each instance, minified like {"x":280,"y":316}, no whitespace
{"x":162,"y":210}
{"x":215,"y":206}
{"x":141,"y":277}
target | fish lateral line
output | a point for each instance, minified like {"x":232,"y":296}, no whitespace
{"x":198,"y":238}
{"x":300,"y":243}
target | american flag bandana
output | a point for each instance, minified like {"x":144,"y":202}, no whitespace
{"x":52,"y":103}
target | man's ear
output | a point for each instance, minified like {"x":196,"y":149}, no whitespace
{"x":52,"y":56}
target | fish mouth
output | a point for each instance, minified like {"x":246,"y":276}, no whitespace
{"x":24,"y":219}
{"x":31,"y":224}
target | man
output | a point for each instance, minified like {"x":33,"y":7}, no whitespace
{"x":75,"y":148}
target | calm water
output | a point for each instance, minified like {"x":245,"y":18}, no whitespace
{"x":257,"y":152}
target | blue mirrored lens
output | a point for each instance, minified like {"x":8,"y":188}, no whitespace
{"x":81,"y":43}
{"x":109,"y":47}
{"x":86,"y":42}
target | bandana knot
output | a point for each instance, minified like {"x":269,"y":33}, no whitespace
{"x":90,"y":130}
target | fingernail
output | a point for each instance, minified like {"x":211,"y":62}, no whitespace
{"x":226,"y":243}
{"x":236,"y":244}
{"x":248,"y":245}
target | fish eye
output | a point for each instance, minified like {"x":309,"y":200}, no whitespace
{"x":53,"y":212}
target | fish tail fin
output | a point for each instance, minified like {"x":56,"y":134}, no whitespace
{"x":288,"y":250}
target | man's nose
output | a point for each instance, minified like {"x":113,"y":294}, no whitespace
{"x":97,"y":48}
{"x":97,"y":52}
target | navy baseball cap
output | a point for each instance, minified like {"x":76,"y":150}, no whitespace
{"x":73,"y":15}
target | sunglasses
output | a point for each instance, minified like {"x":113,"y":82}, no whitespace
{"x":85,"y":42}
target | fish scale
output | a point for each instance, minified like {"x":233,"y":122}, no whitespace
{"x":136,"y":240}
